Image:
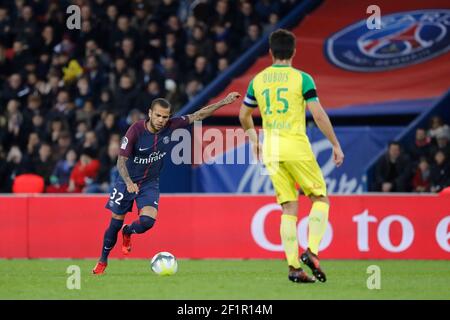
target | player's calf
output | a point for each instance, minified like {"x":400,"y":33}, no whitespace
{"x":141,"y":225}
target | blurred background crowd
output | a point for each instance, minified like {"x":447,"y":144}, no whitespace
{"x":67,"y":96}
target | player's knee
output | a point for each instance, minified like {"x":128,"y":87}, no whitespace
{"x":146,"y":222}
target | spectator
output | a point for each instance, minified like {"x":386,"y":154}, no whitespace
{"x":125,"y":95}
{"x":253,"y":35}
{"x":188,"y":63}
{"x":392,"y":172}
{"x":6,"y":29}
{"x":106,"y":101}
{"x":95,"y":76}
{"x":15,"y":165}
{"x":264,"y":7}
{"x":436,"y":123}
{"x":32,"y":146}
{"x":171,"y":70}
{"x":421,"y":180}
{"x":123,"y":30}
{"x":80,"y":133}
{"x":421,"y":146}
{"x":201,"y":72}
{"x":15,"y":89}
{"x":222,"y":14}
{"x":105,"y":128}
{"x":59,"y":180}
{"x":107,"y":172}
{"x":440,"y":172}
{"x":221,"y":50}
{"x":272,"y":24}
{"x":245,"y":17}
{"x":63,"y":145}
{"x":442,"y":137}
{"x":202,"y":43}
{"x":152,"y":40}
{"x":148,"y":73}
{"x":39,"y":125}
{"x":129,"y":53}
{"x":140,"y":17}
{"x":90,"y":142}
{"x":43,"y":165}
{"x":120,"y":69}
{"x":48,"y":40}
{"x":84,"y":171}
{"x":83,"y":92}
{"x":222,"y":65}
{"x":87,"y":114}
{"x":57,"y":125}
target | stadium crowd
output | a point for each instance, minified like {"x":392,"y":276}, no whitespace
{"x":67,"y":96}
{"x":423,"y":166}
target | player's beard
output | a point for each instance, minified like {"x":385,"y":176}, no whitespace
{"x":154,"y":128}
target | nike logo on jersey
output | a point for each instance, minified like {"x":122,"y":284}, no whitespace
{"x":143,"y":149}
{"x":155,"y":202}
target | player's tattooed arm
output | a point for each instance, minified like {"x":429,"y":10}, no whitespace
{"x":123,"y":171}
{"x":205,"y":112}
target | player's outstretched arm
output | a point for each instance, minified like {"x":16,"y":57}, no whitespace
{"x":205,"y":112}
{"x":323,"y":122}
{"x":123,"y":171}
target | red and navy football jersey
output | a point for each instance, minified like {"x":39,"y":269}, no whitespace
{"x":146,"y":150}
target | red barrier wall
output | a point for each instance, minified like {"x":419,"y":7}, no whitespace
{"x":195,"y":226}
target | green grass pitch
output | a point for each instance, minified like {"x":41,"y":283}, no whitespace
{"x":223,"y":279}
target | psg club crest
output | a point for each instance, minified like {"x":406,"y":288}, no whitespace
{"x":404,"y":39}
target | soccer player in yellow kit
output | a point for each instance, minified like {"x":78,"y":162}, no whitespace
{"x":282,"y":94}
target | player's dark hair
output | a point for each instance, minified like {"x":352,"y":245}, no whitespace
{"x":282,"y":44}
{"x":161,"y":102}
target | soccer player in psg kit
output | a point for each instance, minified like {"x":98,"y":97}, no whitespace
{"x":141,"y":156}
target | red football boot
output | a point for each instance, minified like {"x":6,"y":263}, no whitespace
{"x":99,"y":268}
{"x":126,"y":241}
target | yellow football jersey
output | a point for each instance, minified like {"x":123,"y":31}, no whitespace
{"x":281,"y":92}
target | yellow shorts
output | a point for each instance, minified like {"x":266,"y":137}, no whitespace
{"x":286,"y":174}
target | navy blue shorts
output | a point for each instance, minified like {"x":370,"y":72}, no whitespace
{"x":121,"y":201}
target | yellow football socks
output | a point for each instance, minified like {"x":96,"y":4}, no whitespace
{"x":288,"y":232}
{"x":318,"y":221}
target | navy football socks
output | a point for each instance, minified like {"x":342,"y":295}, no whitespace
{"x":110,"y":238}
{"x":140,"y":226}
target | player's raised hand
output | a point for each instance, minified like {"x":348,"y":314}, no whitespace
{"x":231,"y":97}
{"x":338,"y":156}
{"x":132,"y":188}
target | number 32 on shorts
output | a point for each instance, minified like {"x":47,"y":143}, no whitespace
{"x":119,"y":196}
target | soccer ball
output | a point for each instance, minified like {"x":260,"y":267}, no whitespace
{"x":164,"y":264}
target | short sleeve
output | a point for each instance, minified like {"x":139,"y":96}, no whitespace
{"x":128,"y":141}
{"x":309,"y":91}
{"x":179,"y":122}
{"x":250,"y":100}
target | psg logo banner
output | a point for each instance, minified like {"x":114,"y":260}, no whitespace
{"x":403,"y":39}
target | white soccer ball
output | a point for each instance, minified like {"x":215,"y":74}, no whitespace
{"x":164,"y":264}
